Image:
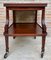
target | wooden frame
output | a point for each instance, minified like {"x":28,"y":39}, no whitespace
{"x":23,"y":32}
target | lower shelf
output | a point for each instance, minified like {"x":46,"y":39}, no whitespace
{"x":25,"y":29}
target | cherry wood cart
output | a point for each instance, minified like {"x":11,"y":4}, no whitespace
{"x":25,"y":29}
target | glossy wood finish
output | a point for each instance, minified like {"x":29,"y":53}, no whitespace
{"x":25,"y":29}
{"x":25,"y":4}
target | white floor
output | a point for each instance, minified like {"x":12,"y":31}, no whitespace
{"x":25,"y":48}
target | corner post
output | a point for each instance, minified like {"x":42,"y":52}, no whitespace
{"x":43,"y":31}
{"x":6,"y":32}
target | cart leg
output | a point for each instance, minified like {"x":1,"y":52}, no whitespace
{"x":43,"y":46}
{"x":7,"y":48}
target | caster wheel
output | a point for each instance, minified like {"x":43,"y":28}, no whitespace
{"x":6,"y":55}
{"x":14,"y":37}
{"x":35,"y":37}
{"x":42,"y":54}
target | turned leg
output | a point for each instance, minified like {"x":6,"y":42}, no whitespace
{"x":43,"y":46}
{"x":43,"y":31}
{"x":6,"y":32}
{"x":7,"y":47}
